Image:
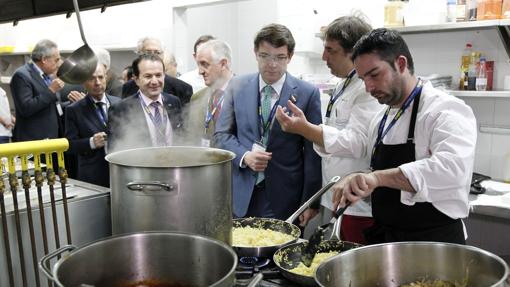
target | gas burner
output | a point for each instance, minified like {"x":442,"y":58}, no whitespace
{"x":249,"y":263}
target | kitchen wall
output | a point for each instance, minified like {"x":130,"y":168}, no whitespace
{"x":179,"y":23}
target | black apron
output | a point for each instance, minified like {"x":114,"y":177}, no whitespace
{"x":395,"y":221}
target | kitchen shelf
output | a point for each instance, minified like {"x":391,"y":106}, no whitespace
{"x":502,"y":26}
{"x":480,"y":94}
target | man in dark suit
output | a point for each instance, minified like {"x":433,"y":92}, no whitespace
{"x":86,"y":129}
{"x":34,"y":93}
{"x":171,"y":85}
{"x":150,"y":117}
{"x":274,"y":172}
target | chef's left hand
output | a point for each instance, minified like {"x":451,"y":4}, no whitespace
{"x":353,"y":188}
{"x":307,"y":215}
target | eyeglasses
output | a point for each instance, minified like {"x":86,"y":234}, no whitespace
{"x":151,"y":52}
{"x":266,"y":58}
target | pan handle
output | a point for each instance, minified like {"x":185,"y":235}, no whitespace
{"x":316,"y":196}
{"x":256,"y":280}
{"x":45,"y":260}
{"x":149,"y":186}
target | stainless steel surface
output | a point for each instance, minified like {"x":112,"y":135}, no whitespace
{"x":198,"y":198}
{"x":89,"y":211}
{"x":394,"y":264}
{"x":289,"y":257}
{"x":82,"y":63}
{"x":286,"y":226}
{"x":166,"y":257}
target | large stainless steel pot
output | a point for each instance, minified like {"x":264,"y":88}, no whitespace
{"x":173,"y":189}
{"x":145,"y":259}
{"x":394,"y":264}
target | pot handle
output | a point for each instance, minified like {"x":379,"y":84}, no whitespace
{"x":45,"y":260}
{"x":314,"y":197}
{"x":256,"y":280}
{"x":149,"y":186}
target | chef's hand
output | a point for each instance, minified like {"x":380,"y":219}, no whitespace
{"x":257,"y":160}
{"x":353,"y":187}
{"x":292,"y":122}
{"x":307,"y":215}
{"x":99,"y":139}
{"x":75,"y":96}
{"x":56,"y":85}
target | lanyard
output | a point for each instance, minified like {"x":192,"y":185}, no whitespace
{"x":161,"y":129}
{"x":335,"y":97}
{"x":381,"y":133}
{"x":265,"y":125}
{"x":212,"y":109}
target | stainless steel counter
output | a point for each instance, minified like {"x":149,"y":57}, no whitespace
{"x":89,"y":214}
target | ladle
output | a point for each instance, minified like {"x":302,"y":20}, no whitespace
{"x":82,"y":63}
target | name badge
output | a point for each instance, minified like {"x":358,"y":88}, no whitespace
{"x":59,"y":110}
{"x":258,"y":146}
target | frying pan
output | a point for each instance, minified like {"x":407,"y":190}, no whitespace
{"x":82,"y":63}
{"x":285,"y":227}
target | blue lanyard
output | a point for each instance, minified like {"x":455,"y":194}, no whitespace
{"x":211,"y":110}
{"x":265,"y":125}
{"x":381,"y":133}
{"x":335,"y":97}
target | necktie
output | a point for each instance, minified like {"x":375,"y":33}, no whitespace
{"x":216,"y":103}
{"x":102,"y":115}
{"x":158,"y":125}
{"x":47,"y":79}
{"x":266,"y":106}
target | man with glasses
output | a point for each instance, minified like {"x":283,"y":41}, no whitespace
{"x":34,"y":91}
{"x":273,"y":172}
{"x":350,"y":109}
{"x":172,"y":86}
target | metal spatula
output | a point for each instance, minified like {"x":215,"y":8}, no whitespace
{"x":313,"y":244}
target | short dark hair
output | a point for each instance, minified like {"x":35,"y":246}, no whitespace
{"x":145,"y":57}
{"x":347,"y":30}
{"x":277,"y":36}
{"x":129,"y":71}
{"x":202,"y":39}
{"x":387,"y":44}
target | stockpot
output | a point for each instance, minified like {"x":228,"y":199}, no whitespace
{"x":172,"y":189}
{"x":145,"y":259}
{"x":394,"y":264}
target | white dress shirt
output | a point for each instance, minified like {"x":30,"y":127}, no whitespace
{"x":351,"y":112}
{"x":445,"y":138}
{"x":5,"y":114}
{"x":146,"y":105}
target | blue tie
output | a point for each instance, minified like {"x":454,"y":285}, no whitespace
{"x":102,"y":115}
{"x":159,"y":125}
{"x":47,"y":80}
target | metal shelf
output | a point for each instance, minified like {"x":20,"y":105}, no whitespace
{"x":480,"y":94}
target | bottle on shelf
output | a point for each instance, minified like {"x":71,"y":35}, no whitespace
{"x":471,"y":6}
{"x":393,"y":13}
{"x":451,"y":10}
{"x":461,"y":10}
{"x":472,"y":72}
{"x":464,"y":66}
{"x":481,"y":77}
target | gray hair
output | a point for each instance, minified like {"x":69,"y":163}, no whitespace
{"x":219,"y":50}
{"x":141,"y":42}
{"x":103,"y":57}
{"x":43,"y":48}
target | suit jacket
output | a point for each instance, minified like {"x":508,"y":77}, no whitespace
{"x":195,"y":123}
{"x":173,"y":86}
{"x":35,"y":105}
{"x":128,"y":125}
{"x":82,"y":122}
{"x":293,"y":174}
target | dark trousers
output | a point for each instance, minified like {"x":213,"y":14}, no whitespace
{"x":259,"y":203}
{"x":5,"y":139}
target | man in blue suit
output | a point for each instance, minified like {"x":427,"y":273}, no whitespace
{"x":274,"y":172}
{"x":86,"y":129}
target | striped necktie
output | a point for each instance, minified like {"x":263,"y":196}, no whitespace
{"x":267,"y":93}
{"x":159,"y":125}
{"x":102,"y":115}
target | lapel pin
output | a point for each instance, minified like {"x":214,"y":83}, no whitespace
{"x":293,"y":98}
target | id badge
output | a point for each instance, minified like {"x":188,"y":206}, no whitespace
{"x":205,"y":142}
{"x":258,"y":146}
{"x":59,"y":110}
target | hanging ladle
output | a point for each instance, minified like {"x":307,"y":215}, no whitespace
{"x":82,"y":63}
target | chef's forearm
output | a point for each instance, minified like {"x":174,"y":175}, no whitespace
{"x":313,"y":133}
{"x":393,"y":178}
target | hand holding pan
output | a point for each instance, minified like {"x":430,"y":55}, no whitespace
{"x":82,"y":63}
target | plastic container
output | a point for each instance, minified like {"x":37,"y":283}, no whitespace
{"x":393,"y":13}
{"x":481,"y":77}
{"x":505,"y":9}
{"x":489,"y":9}
{"x":451,"y":10}
{"x":461,"y":10}
{"x":471,"y":7}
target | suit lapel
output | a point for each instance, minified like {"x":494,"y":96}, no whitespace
{"x":288,"y":89}
{"x":253,"y":101}
{"x":35,"y":75}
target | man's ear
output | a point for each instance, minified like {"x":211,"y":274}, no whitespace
{"x":401,"y":63}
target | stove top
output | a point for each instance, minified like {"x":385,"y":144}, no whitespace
{"x":249,"y":266}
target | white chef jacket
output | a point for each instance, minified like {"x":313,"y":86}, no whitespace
{"x":445,"y":138}
{"x":5,"y":113}
{"x":352,"y":111}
